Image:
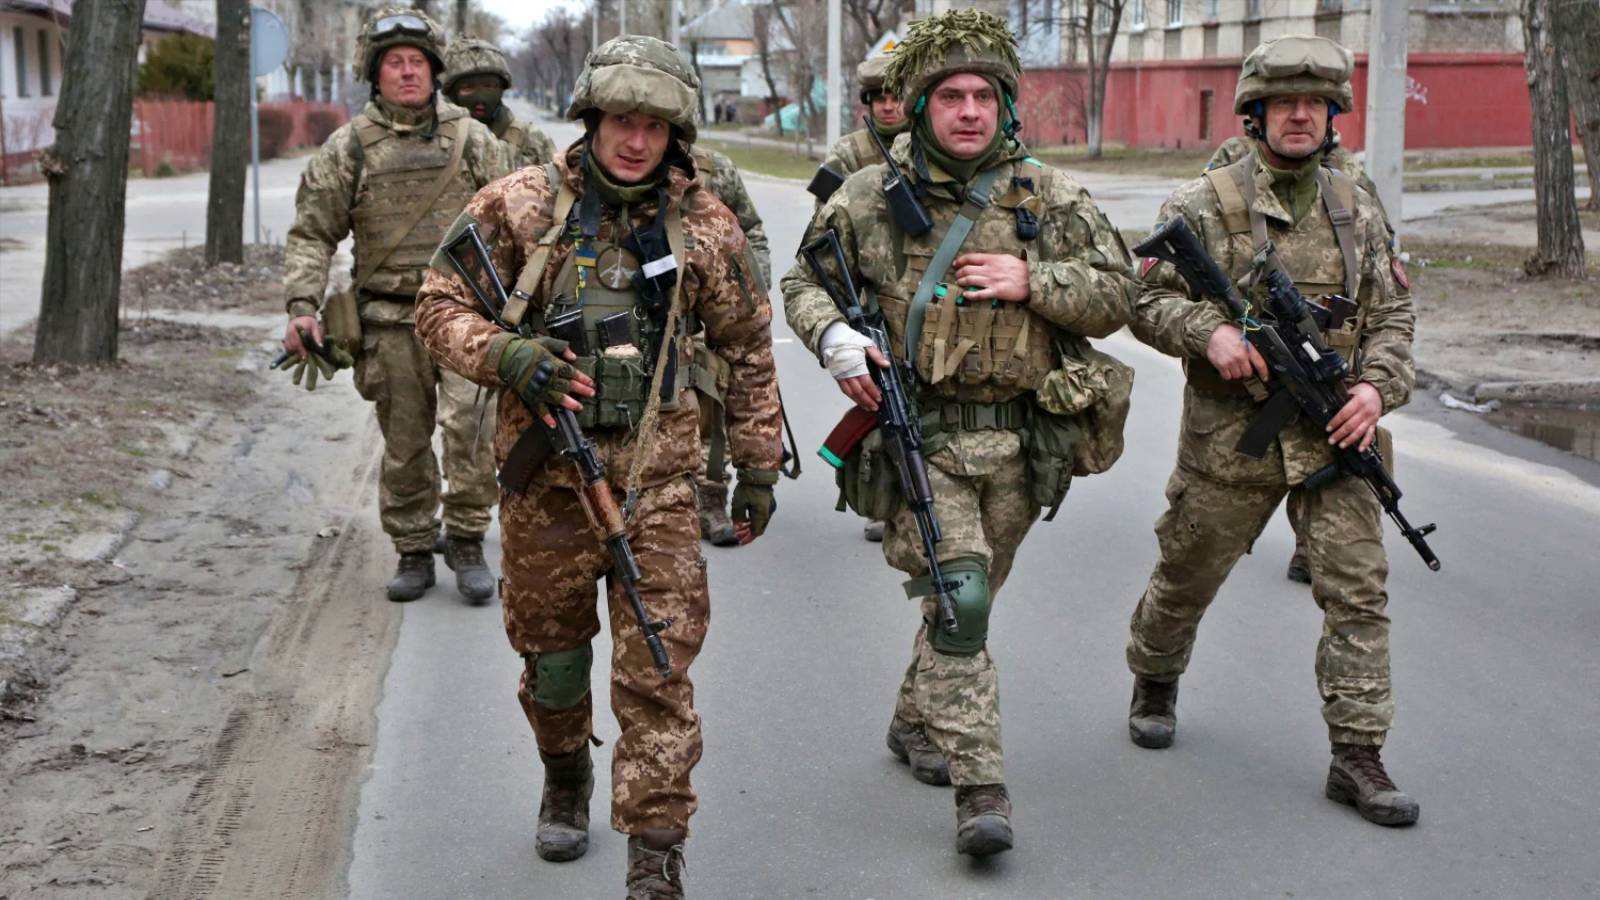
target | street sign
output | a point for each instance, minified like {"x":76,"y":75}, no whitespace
{"x":269,"y":42}
{"x":885,"y":44}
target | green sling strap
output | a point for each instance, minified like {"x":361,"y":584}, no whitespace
{"x":976,"y":202}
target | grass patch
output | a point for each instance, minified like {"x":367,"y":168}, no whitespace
{"x":1446,"y":255}
{"x":776,"y":161}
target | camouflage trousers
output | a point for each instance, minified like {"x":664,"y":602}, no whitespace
{"x":553,"y":557}
{"x":1209,"y":525}
{"x":980,"y":491}
{"x":413,"y":395}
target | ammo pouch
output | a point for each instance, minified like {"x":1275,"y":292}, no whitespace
{"x":341,"y":322}
{"x":620,"y":385}
{"x":1052,"y":445}
{"x":981,"y":343}
{"x":1096,"y":389}
{"x":869,"y":482}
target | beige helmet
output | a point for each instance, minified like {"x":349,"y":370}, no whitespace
{"x":397,"y":26}
{"x":635,"y":73}
{"x":870,"y":75}
{"x":1296,"y":64}
{"x":466,"y":57}
{"x":962,"y":40}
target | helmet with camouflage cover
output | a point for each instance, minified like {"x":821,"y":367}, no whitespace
{"x":397,"y":26}
{"x":1296,"y":64}
{"x":962,"y":40}
{"x":466,"y":57}
{"x":870,"y":75}
{"x":635,"y":73}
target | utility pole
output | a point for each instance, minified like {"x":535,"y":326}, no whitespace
{"x":622,"y":17}
{"x":594,"y":25}
{"x":1386,"y":103}
{"x":835,"y":112}
{"x":672,"y":32}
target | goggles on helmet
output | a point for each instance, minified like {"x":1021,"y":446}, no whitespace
{"x":401,"y":24}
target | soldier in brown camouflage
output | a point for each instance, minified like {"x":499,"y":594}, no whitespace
{"x":1040,"y":266}
{"x":1279,"y":206}
{"x":397,"y":175}
{"x":476,"y":78}
{"x":559,"y":233}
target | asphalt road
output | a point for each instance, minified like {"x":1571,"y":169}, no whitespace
{"x":1494,"y":670}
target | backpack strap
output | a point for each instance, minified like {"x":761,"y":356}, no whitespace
{"x":528,"y":279}
{"x":1338,"y":197}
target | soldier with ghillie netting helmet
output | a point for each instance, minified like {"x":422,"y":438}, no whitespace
{"x":476,"y":78}
{"x":621,"y":254}
{"x":991,"y":306}
{"x":395,"y":177}
{"x":1281,"y":207}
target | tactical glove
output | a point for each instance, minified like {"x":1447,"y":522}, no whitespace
{"x":533,"y":369}
{"x":320,"y":359}
{"x":753,"y":499}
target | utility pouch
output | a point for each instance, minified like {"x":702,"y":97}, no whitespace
{"x":869,"y":482}
{"x":619,"y":389}
{"x":1097,"y":389}
{"x":616,"y":330}
{"x":1052,"y":445}
{"x":981,"y":343}
{"x":341,"y":322}
{"x":565,"y":322}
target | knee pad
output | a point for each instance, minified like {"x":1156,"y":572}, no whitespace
{"x":971,"y":598}
{"x":561,"y":679}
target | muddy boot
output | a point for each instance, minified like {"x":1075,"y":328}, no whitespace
{"x":564,"y":808}
{"x":1299,"y":566}
{"x":655,"y":865}
{"x":712,"y":499}
{"x":474,"y":581}
{"x":910,"y":743}
{"x":983,"y":819}
{"x":1153,"y":715}
{"x":873,"y":531}
{"x":412,"y":577}
{"x":1356,"y":778}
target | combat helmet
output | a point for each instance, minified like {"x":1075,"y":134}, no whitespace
{"x":870,"y":75}
{"x":466,"y":57}
{"x":962,"y":40}
{"x":636,"y":73}
{"x":397,"y":26}
{"x":1295,"y":64}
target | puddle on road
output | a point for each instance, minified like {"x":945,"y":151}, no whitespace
{"x":1575,"y":429}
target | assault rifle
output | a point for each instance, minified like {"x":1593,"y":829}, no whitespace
{"x":1307,"y":375}
{"x":570,"y":441}
{"x":896,"y":418}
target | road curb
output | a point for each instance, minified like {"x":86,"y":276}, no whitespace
{"x":1564,"y":392}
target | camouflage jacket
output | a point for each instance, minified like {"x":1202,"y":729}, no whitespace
{"x":513,"y":214}
{"x":525,"y":144}
{"x":852,"y":153}
{"x":718,"y":173}
{"x":1170,"y":318}
{"x":1079,"y":274}
{"x":332,"y":186}
{"x":1339,"y":159}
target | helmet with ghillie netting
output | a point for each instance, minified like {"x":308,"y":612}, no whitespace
{"x":397,"y":26}
{"x":636,"y":73}
{"x":467,"y":57}
{"x":962,"y":40}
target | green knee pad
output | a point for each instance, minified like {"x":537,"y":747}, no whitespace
{"x":561,"y":679}
{"x":971,"y":598}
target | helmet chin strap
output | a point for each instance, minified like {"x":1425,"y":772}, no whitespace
{"x":1255,"y":127}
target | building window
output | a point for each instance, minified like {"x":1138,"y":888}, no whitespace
{"x":45,"y":88}
{"x":1135,"y":13}
{"x":1252,"y":36}
{"x":1252,"y":10}
{"x":19,"y":50}
{"x":1330,"y":5}
{"x":1174,"y":13}
{"x":1213,"y":10}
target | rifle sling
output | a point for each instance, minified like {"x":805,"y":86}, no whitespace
{"x":977,"y":201}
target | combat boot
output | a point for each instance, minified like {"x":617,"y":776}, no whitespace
{"x":564,"y":808}
{"x":983,"y":819}
{"x":655,"y":864}
{"x":873,"y":531}
{"x":474,"y":581}
{"x":412,"y":577}
{"x":712,"y":499}
{"x":1357,"y":778}
{"x":1299,"y":566}
{"x":911,"y":745}
{"x":1153,"y":715}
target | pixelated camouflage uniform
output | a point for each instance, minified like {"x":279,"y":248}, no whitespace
{"x":1220,"y":500}
{"x":1339,"y":159}
{"x":553,"y":556}
{"x":366,"y":178}
{"x":1080,"y":283}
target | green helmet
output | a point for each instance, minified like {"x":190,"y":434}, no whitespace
{"x":635,"y":73}
{"x":466,"y":57}
{"x":397,"y":26}
{"x":870,"y":75}
{"x":962,"y":40}
{"x":1296,"y":64}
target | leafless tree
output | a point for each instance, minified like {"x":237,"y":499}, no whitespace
{"x":1098,"y":27}
{"x":1560,"y":249}
{"x":871,"y":18}
{"x":230,"y":134}
{"x":88,"y":171}
{"x":1578,"y":36}
{"x":764,"y":28}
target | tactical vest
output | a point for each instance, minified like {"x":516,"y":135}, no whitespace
{"x":865,"y":151}
{"x":519,"y":142}
{"x":974,"y":352}
{"x":399,"y":173}
{"x":1302,"y":251}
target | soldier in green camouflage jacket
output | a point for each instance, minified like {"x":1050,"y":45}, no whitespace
{"x":476,"y":77}
{"x":1040,"y":267}
{"x":857,"y":150}
{"x":397,"y":175}
{"x":1280,"y":207}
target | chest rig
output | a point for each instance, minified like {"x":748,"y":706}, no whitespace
{"x":609,"y":300}
{"x":412,"y":188}
{"x":973,"y":352}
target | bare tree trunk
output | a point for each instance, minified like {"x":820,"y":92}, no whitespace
{"x":763,"y":28}
{"x":1099,"y":69}
{"x":1560,"y":250}
{"x":1577,"y":30}
{"x":460,"y":26}
{"x":230,"y":134}
{"x":88,"y":171}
